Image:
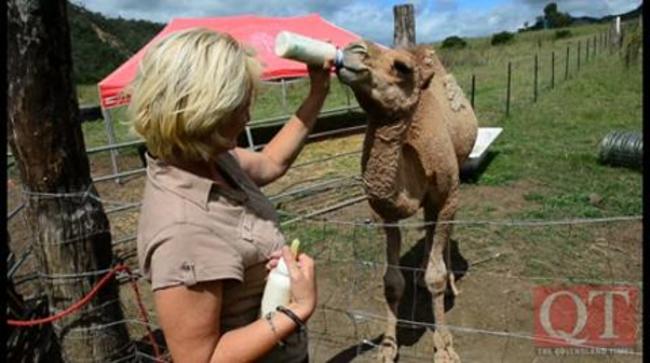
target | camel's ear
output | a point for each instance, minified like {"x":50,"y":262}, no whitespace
{"x":424,"y":56}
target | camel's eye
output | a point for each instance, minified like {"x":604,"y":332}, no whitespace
{"x":402,"y":68}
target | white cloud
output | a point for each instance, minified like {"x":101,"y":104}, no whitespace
{"x":372,"y":20}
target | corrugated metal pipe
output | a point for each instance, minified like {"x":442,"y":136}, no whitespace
{"x":622,"y":148}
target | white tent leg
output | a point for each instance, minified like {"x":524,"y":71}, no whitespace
{"x":110,"y":132}
{"x":249,"y":137}
{"x":285,"y":105}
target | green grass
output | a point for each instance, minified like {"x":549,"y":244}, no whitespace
{"x":555,"y":142}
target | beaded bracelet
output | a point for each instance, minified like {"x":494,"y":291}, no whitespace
{"x":301,"y":324}
{"x":269,"y":318}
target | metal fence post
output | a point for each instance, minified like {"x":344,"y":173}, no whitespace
{"x":535,"y":82}
{"x":110,"y":132}
{"x":566,"y":67}
{"x":579,"y":55}
{"x":552,"y":70}
{"x":508,"y":89}
{"x":473,"y":90}
{"x":587,"y":51}
{"x":600,"y":41}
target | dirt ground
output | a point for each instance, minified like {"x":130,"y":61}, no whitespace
{"x":498,"y":266}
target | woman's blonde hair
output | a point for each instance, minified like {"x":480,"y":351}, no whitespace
{"x":187,"y":86}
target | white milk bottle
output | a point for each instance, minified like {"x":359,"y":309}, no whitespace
{"x":278,"y":286}
{"x":307,"y":50}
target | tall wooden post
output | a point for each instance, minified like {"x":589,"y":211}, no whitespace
{"x":71,"y":231}
{"x":404,"y":35}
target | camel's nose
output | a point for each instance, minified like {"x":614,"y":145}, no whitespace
{"x":358,"y":47}
{"x":354,"y":55}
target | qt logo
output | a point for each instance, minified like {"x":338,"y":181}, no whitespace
{"x":602,"y":316}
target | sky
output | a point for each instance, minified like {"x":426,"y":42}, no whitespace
{"x":373,"y":20}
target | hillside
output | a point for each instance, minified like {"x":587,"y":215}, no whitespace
{"x":101,"y":44}
{"x":585,"y":20}
{"x":633,"y":14}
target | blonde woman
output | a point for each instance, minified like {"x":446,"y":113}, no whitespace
{"x":207,"y":236}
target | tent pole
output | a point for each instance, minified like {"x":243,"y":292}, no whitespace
{"x":249,"y":137}
{"x":284,"y":96}
{"x":108,"y":124}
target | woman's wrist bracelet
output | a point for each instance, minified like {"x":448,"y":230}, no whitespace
{"x":269,"y":318}
{"x":299,"y":323}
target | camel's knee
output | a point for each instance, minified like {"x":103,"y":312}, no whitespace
{"x":436,"y":277}
{"x":394,"y":285}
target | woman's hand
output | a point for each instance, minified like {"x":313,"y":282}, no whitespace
{"x":319,"y":77}
{"x":274,"y":257}
{"x":303,"y":283}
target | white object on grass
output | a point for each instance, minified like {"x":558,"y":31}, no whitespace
{"x":485,"y":137}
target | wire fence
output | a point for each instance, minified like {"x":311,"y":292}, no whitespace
{"x":349,"y":253}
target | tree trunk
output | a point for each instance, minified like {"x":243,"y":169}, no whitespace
{"x":404,"y":35}
{"x":71,"y":232}
{"x":34,"y":345}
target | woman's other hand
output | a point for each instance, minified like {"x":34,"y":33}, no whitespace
{"x":303,"y":283}
{"x":274,"y":257}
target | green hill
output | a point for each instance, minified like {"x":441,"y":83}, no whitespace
{"x":101,"y":44}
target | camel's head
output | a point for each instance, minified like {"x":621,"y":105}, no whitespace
{"x":386,"y":82}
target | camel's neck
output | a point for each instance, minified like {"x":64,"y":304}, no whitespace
{"x":382,"y":151}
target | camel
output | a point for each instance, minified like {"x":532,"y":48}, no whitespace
{"x":421,"y":128}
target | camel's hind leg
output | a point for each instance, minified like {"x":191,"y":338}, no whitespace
{"x":393,"y":290}
{"x":436,"y":279}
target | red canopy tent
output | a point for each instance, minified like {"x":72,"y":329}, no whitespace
{"x":257,"y":32}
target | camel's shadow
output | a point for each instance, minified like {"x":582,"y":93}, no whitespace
{"x":416,"y":304}
{"x":473,"y":175}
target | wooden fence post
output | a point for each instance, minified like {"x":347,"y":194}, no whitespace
{"x":508,"y":89}
{"x":404,"y":34}
{"x":72,"y":237}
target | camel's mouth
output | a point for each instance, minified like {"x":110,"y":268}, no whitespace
{"x":353,"y":70}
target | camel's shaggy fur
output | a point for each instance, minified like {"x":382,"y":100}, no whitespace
{"x":420,"y":130}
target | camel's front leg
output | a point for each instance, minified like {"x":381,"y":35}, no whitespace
{"x":436,"y":279}
{"x":393,"y":290}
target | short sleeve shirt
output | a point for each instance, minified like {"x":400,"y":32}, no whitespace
{"x":192,"y":230}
